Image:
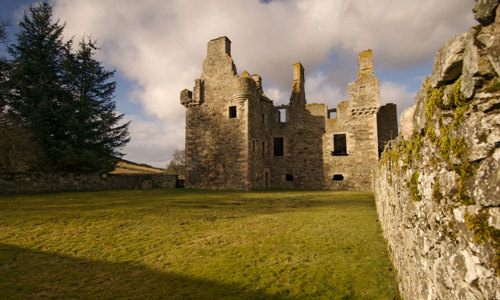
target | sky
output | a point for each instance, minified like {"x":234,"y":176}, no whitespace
{"x":157,"y":48}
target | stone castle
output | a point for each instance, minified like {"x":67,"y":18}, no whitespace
{"x":237,"y":139}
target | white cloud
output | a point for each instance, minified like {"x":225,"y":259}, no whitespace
{"x":319,"y":89}
{"x":391,"y":92}
{"x":279,"y":96}
{"x":161,"y":44}
{"x":153,"y":140}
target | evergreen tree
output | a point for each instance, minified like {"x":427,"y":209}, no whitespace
{"x":4,"y":67}
{"x":37,"y":96}
{"x":64,"y":99}
{"x":95,"y":133}
{"x":3,"y":33}
{"x":17,"y":151}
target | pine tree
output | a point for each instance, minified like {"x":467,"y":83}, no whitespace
{"x":94,"y":125}
{"x":64,"y":99}
{"x":37,"y":96}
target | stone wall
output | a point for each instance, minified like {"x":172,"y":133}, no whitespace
{"x":48,"y":183}
{"x":236,"y":150}
{"x":387,"y":124}
{"x":302,"y":160}
{"x":438,"y":185}
{"x":216,"y":143}
{"x":357,"y":119}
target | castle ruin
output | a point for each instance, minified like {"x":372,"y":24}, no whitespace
{"x":237,"y":139}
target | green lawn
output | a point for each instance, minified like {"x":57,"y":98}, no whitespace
{"x":184,"y":244}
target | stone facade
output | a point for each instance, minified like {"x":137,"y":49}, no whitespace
{"x":237,"y":139}
{"x":68,"y":182}
{"x":438,"y":184}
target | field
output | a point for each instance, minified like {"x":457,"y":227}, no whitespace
{"x":184,"y":244}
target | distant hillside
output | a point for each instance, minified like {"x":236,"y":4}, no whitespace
{"x":129,"y":167}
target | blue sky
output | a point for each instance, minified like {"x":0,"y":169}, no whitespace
{"x":157,"y":48}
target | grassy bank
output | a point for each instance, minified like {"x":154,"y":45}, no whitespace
{"x":183,"y":244}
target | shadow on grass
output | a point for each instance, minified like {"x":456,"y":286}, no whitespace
{"x":30,"y":274}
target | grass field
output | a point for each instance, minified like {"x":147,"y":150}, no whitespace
{"x":182,"y":244}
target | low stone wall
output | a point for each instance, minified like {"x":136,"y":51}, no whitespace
{"x":437,"y":186}
{"x":46,"y":183}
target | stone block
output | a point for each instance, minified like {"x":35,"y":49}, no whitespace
{"x":484,"y":11}
{"x":448,"y":61}
{"x":406,"y":122}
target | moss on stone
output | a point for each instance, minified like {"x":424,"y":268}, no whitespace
{"x":483,"y":232}
{"x":495,"y":87}
{"x":444,"y":143}
{"x":456,"y":97}
{"x":411,"y":148}
{"x":437,"y":196}
{"x":413,"y":186}
{"x":459,"y":148}
{"x":478,"y":224}
{"x":465,"y":171}
{"x":458,"y":117}
{"x":496,"y":264}
{"x":434,"y":98}
{"x":431,"y":134}
{"x":391,"y":156}
{"x":459,"y":103}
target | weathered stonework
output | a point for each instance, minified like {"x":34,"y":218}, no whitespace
{"x":21,"y":183}
{"x":235,"y":138}
{"x":438,"y":187}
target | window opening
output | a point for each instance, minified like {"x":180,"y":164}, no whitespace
{"x":253,"y":146}
{"x":263,"y":118}
{"x":332,"y":113}
{"x":282,"y":115}
{"x":338,"y":177}
{"x":278,"y":146}
{"x":232,"y":112}
{"x":263,"y":149}
{"x":289,"y":177}
{"x":339,"y":145}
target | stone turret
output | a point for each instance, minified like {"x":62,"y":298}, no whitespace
{"x":187,"y":98}
{"x":298,"y":96}
{"x":245,"y":88}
